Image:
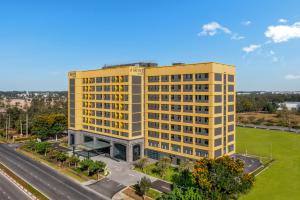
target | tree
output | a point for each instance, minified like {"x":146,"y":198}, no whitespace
{"x":189,"y":193}
{"x":42,"y":147}
{"x":143,"y":186}
{"x":141,"y":163}
{"x":46,"y":126}
{"x":73,"y":160}
{"x":163,"y":165}
{"x":222,"y":178}
{"x":61,"y":157}
{"x":186,"y":165}
{"x":84,"y":164}
{"x":96,"y":167}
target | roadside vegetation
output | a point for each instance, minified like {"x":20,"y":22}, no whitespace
{"x":83,"y":169}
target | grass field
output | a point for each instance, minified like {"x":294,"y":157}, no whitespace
{"x":282,"y":179}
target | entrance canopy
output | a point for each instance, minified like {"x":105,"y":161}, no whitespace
{"x":91,"y":148}
{"x":93,"y":145}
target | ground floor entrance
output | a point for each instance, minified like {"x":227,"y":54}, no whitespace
{"x":96,"y":144}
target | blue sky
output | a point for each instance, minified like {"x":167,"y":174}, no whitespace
{"x":40,"y":41}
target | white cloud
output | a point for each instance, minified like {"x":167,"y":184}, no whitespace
{"x":236,"y":36}
{"x":292,"y":77}
{"x":251,"y":48}
{"x":246,"y":23}
{"x":212,"y":28}
{"x":283,"y":33}
{"x":272,"y":52}
{"x":283,"y":21}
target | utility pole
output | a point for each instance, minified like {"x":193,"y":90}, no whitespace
{"x":6,"y":127}
{"x":21,"y":128}
{"x":26,"y":124}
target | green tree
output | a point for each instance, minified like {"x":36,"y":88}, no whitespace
{"x":141,"y":163}
{"x":143,"y":186}
{"x":61,"y":157}
{"x":163,"y":165}
{"x":84,"y":164}
{"x":73,"y":160}
{"x":42,"y":147}
{"x":189,"y":193}
{"x":223,"y":178}
{"x":46,"y":126}
{"x":96,"y":167}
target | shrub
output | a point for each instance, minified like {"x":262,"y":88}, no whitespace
{"x":163,"y":165}
{"x":141,"y":163}
{"x":143,"y":186}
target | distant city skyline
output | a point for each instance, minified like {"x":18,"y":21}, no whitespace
{"x":41,"y":41}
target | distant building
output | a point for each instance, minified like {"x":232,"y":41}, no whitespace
{"x":293,"y":106}
{"x":183,"y":111}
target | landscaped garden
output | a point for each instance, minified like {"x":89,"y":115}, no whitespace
{"x":282,"y":179}
{"x":81,"y":170}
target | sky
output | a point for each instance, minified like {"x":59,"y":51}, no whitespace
{"x":41,"y":41}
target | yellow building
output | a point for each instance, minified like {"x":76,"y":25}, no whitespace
{"x":180,"y":111}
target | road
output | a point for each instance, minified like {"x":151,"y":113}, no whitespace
{"x":49,"y":182}
{"x":9,"y":191}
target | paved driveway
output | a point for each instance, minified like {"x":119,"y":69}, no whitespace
{"x":107,"y":187}
{"x":121,"y":171}
{"x":251,"y":164}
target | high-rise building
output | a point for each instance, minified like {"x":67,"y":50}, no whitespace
{"x":183,"y":111}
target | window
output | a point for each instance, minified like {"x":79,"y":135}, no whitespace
{"x":165,"y":88}
{"x":218,"y":109}
{"x":176,"y":148}
{"x":165,"y":136}
{"x":188,"y":140}
{"x":176,"y":138}
{"x":164,"y":107}
{"x":188,"y":77}
{"x":230,"y":78}
{"x":230,"y":88}
{"x":201,"y":142}
{"x":153,"y":106}
{"x":153,"y":134}
{"x":201,"y":120}
{"x":202,"y":98}
{"x":165,"y":117}
{"x":201,"y":131}
{"x":188,"y":98}
{"x":175,"y":127}
{"x":176,"y":78}
{"x":187,"y":119}
{"x":201,"y":153}
{"x":164,"y":126}
{"x":176,"y":118}
{"x":218,"y":77}
{"x":176,"y":108}
{"x":153,"y":88}
{"x":165,"y":145}
{"x":218,"y":88}
{"x":201,"y":109}
{"x":187,"y":129}
{"x":152,"y":79}
{"x":218,"y":98}
{"x":218,"y":142}
{"x":176,"y":88}
{"x":201,"y":77}
{"x":153,"y":143}
{"x":187,"y":88}
{"x":188,"y":108}
{"x":153,"y":97}
{"x":176,"y":98}
{"x":165,"y":97}
{"x":165,"y":78}
{"x":188,"y":150}
{"x":201,"y":87}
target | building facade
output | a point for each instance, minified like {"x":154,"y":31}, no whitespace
{"x":183,"y":111}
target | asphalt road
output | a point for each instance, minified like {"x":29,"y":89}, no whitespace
{"x":9,"y":191}
{"x":51,"y":183}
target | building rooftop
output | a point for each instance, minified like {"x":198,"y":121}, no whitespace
{"x":139,"y":64}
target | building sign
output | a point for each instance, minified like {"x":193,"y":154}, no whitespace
{"x":136,"y":70}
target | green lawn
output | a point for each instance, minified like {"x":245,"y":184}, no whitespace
{"x":282,"y":179}
{"x":150,"y":169}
